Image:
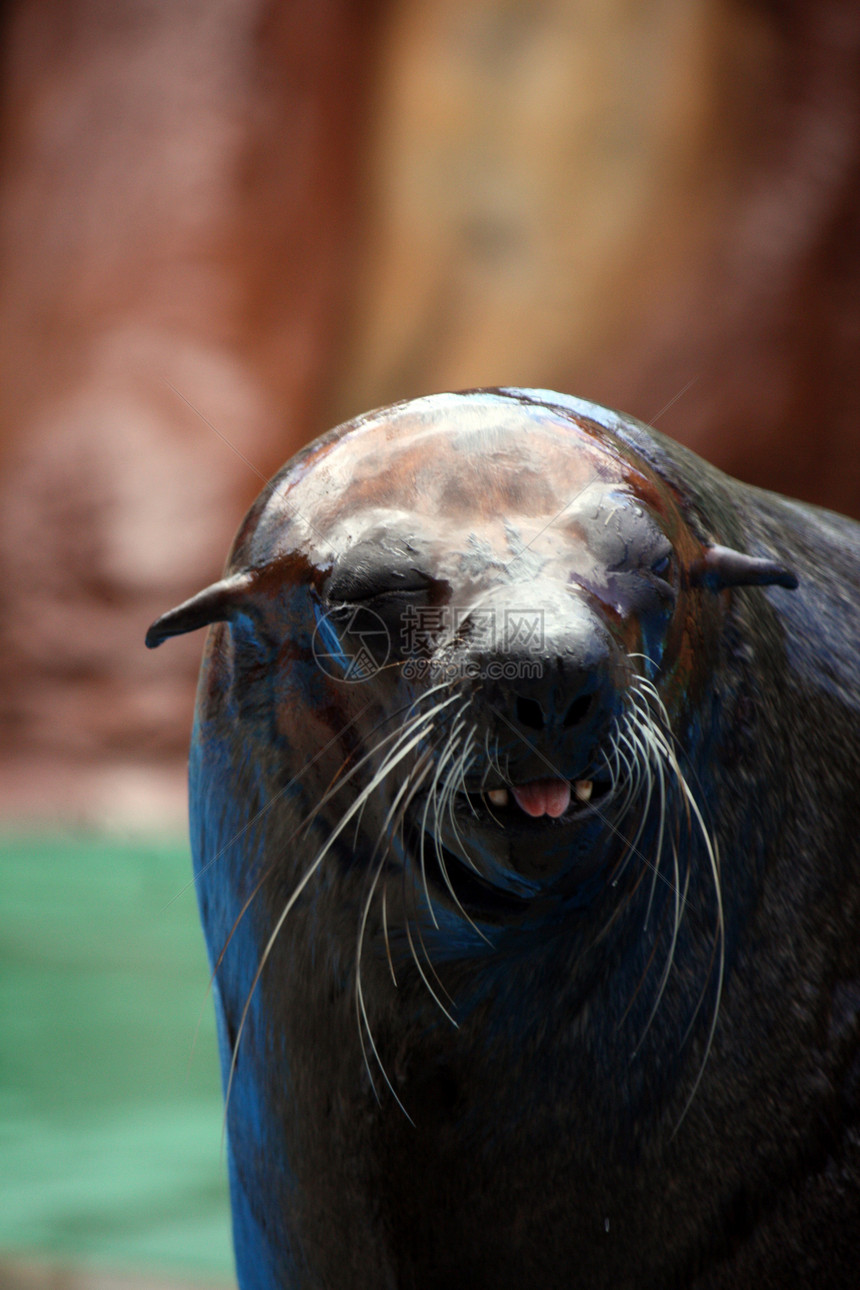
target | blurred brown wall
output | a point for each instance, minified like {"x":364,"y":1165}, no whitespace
{"x":627,"y":201}
{"x":269,"y":216}
{"x":177,"y":186}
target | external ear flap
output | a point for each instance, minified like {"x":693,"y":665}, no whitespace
{"x":216,"y":604}
{"x":722,"y":567}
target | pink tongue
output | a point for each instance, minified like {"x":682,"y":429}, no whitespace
{"x":543,"y":797}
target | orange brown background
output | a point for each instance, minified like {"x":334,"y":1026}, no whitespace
{"x":227,"y":224}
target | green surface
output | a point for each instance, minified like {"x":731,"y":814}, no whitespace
{"x":110,"y":1130}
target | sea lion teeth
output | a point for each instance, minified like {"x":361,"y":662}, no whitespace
{"x":583,"y":789}
{"x":498,"y":796}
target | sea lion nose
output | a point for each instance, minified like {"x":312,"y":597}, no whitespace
{"x":552,"y":706}
{"x":553,"y":711}
{"x":555,"y":696}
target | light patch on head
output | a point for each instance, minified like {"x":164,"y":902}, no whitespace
{"x":525,"y":561}
{"x":478,"y":557}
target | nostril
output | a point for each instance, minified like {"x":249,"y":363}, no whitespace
{"x":578,"y":710}
{"x":529,"y":713}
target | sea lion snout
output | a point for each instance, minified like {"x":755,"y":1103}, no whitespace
{"x":540,"y":682}
{"x":548,"y":683}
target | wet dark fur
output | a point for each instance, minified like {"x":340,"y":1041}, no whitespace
{"x":583,"y":1124}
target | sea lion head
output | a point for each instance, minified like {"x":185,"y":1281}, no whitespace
{"x":490,"y":616}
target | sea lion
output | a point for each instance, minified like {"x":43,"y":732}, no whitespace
{"x":525,"y":828}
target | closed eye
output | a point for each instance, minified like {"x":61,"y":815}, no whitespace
{"x":359,"y":585}
{"x":379,"y":596}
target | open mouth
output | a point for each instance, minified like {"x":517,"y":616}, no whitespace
{"x":498,"y":843}
{"x":538,"y":803}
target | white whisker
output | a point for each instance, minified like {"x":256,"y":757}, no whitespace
{"x":423,"y":723}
